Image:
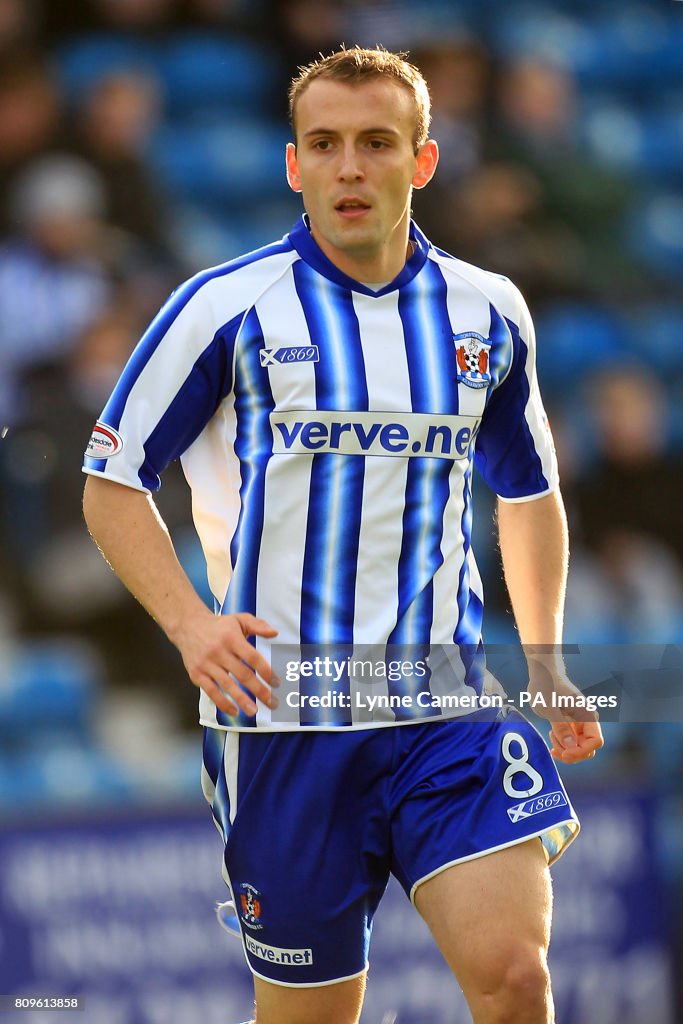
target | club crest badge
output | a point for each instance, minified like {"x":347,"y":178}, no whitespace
{"x":472,"y":355}
{"x":249,"y":905}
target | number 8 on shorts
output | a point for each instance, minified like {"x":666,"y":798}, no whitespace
{"x":519,"y":766}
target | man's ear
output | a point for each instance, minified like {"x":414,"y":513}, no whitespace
{"x":427,"y":159}
{"x":293,"y":179}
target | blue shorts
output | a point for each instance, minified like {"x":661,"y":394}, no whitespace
{"x":313,"y":824}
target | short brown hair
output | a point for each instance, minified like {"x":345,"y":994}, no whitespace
{"x":358,"y":65}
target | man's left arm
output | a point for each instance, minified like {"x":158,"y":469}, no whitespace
{"x":535,"y":552}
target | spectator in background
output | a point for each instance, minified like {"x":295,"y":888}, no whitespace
{"x":459,"y":75}
{"x":114,"y":121}
{"x":306,"y":26}
{"x":537,"y":127}
{"x":216,"y":12}
{"x":627,"y":507}
{"x":19,"y":21}
{"x":147,"y":18}
{"x":61,"y":584}
{"x":62,"y":402}
{"x":53,"y":273}
{"x":134,"y":16}
{"x":30,"y":120}
{"x":490,"y":211}
{"x":636,"y":482}
{"x":494,"y":218}
{"x":302,"y":29}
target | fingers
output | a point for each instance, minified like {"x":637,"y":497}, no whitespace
{"x":221,"y":661}
{"x":222,"y":686}
{"x":563,"y":742}
{"x":222,"y":701}
{"x":253,"y":626}
{"x":572,"y":742}
{"x":580,"y":715}
{"x":247,"y":676}
{"x":571,"y":756}
{"x":241,"y":650}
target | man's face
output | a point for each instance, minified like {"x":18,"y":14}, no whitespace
{"x":356,"y":165}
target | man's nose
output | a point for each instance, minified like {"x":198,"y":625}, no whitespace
{"x":350,"y":168}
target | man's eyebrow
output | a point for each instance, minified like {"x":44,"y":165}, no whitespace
{"x":383,"y":130}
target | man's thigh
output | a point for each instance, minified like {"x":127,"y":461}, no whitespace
{"x":471,"y":786}
{"x":488,"y":913}
{"x":325,"y":1004}
{"x":306,"y":848}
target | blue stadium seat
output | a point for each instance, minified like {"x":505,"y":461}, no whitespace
{"x":15,"y":792}
{"x":616,"y":45}
{"x":49,"y":686}
{"x":654,"y":233}
{"x":204,"y":239}
{"x":179,"y":777}
{"x":646,"y":141}
{"x":544,"y":32}
{"x":576,"y":339}
{"x":268,"y":221}
{"x":657,"y":336}
{"x":631,"y":43}
{"x":201,"y":71}
{"x":225,"y":160}
{"x":63,"y":776}
{"x":211,"y":234}
{"x":82,"y":775}
{"x":396,"y":23}
{"x":613,"y":132}
{"x":84,"y":61}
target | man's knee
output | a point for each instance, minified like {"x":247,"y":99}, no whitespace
{"x":516,"y":989}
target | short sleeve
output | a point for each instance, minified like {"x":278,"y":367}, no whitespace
{"x":514,"y":451}
{"x":174,"y":381}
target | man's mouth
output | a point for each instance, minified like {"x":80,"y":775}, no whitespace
{"x":351,"y":207}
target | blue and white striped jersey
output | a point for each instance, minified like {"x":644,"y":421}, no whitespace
{"x":328,"y":433}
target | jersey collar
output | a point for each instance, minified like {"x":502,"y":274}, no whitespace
{"x":301,"y":238}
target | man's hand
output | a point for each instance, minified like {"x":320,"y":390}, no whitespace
{"x":129,"y":531}
{"x":218,"y":656}
{"x":572,"y":742}
{"x":575,"y":734}
{"x":535,"y":550}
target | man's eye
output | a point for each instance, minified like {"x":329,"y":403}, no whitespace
{"x":322,"y":144}
{"x":377,"y":144}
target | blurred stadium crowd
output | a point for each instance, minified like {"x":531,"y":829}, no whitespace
{"x":141,"y":140}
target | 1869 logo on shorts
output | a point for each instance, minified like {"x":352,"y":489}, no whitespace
{"x":536,"y":805}
{"x":249,"y":905}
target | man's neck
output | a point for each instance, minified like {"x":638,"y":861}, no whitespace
{"x":383,"y":266}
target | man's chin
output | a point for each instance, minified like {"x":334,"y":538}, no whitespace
{"x":357,"y":241}
{"x":353,"y":242}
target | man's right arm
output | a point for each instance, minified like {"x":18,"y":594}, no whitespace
{"x":133,"y":538}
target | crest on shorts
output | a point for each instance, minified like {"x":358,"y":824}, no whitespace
{"x":472,"y":355}
{"x":249,"y":905}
